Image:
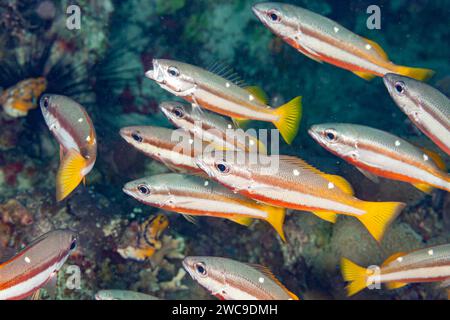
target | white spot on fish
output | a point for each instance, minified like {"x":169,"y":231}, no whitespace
{"x":330,"y":185}
{"x":296,"y":172}
{"x":368,"y":47}
{"x":336,"y":29}
{"x":227,"y":84}
{"x":251,"y":97}
{"x":261,"y":280}
{"x":252,"y":142}
{"x":191,"y":141}
{"x":430,"y":252}
{"x":80,"y":120}
{"x":397,"y":143}
{"x":230,"y":126}
{"x":400,"y":259}
{"x":27,"y":260}
{"x":88,"y":138}
{"x":206,"y":183}
{"x":425,"y":157}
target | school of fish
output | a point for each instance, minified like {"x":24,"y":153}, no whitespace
{"x":222,"y":171}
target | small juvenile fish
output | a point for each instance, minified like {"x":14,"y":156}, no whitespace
{"x":375,"y":152}
{"x":228,"y":279}
{"x":122,"y":295}
{"x":324,"y":40}
{"x":210,"y":127}
{"x":22,"y":97}
{"x":211,"y":91}
{"x":195,"y":196}
{"x":34,"y":266}
{"x":425,"y":265}
{"x":73,"y":129}
{"x":289,"y":182}
{"x":176,"y":149}
{"x":147,"y":239}
{"x":425,"y":106}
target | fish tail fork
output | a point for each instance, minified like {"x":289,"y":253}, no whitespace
{"x":69,"y":174}
{"x":276,"y":219}
{"x":378,"y":216}
{"x":355,"y":275}
{"x":290,"y":115}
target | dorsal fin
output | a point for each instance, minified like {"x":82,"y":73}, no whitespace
{"x":258,"y":94}
{"x":299,"y":163}
{"x":223,"y":70}
{"x":436,"y":158}
{"x":392,"y":258}
{"x":377,"y":48}
{"x":265,"y":271}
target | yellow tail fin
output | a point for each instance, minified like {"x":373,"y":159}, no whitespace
{"x":69,"y":174}
{"x":290,"y":115}
{"x":378,"y":216}
{"x":356,"y":275}
{"x":416,"y":73}
{"x":276,"y":219}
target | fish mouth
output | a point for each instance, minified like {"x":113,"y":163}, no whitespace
{"x":155,"y":74}
{"x":127,"y":191}
{"x":315,"y":135}
{"x":388,"y":81}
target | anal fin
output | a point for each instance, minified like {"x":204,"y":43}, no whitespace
{"x":326,"y":215}
{"x":365,"y":75}
{"x":395,"y":285}
{"x":423,"y":187}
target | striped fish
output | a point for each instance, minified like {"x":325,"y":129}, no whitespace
{"x":73,"y":129}
{"x":174,"y":148}
{"x":211,"y":91}
{"x":210,"y":127}
{"x":425,"y":106}
{"x":34,"y":266}
{"x":290,"y":182}
{"x":324,"y":40}
{"x":195,"y":196}
{"x":424,"y":265}
{"x":375,"y":152}
{"x":228,"y":279}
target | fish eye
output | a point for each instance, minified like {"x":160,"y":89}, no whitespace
{"x":142,"y":188}
{"x":400,"y":87}
{"x":330,"y":135}
{"x":173,"y":71}
{"x":46,"y":102}
{"x":73,"y":245}
{"x":223,"y":168}
{"x":178,"y":112}
{"x":274,"y":15}
{"x":136,"y":136}
{"x":200,"y":268}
